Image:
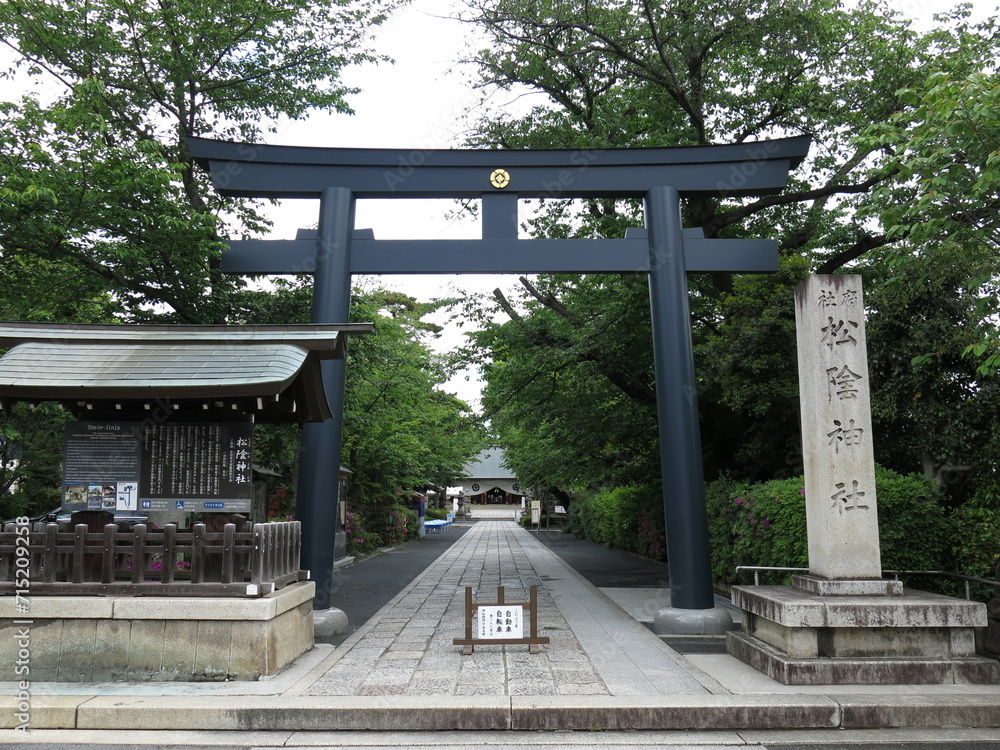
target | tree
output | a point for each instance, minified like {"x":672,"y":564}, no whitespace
{"x":695,"y":72}
{"x":943,"y":196}
{"x":569,"y":387}
{"x":30,"y":459}
{"x":401,"y":431}
{"x":99,"y":181}
{"x":932,"y":410}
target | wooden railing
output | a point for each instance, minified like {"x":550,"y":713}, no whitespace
{"x":71,"y":560}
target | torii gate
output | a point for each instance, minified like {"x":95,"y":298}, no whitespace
{"x":664,"y":250}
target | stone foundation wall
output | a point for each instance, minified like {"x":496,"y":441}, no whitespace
{"x":100,"y":639}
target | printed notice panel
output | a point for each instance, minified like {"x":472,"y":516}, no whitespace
{"x":501,"y":621}
{"x":101,"y":465}
{"x":198,"y":466}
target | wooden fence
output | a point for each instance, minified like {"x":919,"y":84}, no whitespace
{"x":74,"y":561}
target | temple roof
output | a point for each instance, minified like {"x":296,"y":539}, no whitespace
{"x":272,"y":372}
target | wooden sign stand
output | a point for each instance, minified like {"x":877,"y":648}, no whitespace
{"x":468,"y":643}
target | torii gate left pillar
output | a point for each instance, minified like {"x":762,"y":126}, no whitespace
{"x":319,"y":467}
{"x":665,"y":251}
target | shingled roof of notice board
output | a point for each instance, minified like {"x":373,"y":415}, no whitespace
{"x":270,"y":371}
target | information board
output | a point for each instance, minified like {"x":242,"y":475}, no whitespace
{"x":101,"y":466}
{"x":190,"y":467}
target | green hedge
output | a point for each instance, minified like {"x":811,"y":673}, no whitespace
{"x":628,"y":518}
{"x":383,"y":523}
{"x":765,"y":524}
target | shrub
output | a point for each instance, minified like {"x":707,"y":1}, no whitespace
{"x":765,"y":524}
{"x":976,"y":548}
{"x":628,"y":518}
{"x":379,"y":523}
{"x":360,"y":540}
{"x":719,"y":501}
{"x":399,"y":525}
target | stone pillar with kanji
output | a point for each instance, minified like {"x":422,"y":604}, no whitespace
{"x":843,"y":623}
{"x":835,"y":404}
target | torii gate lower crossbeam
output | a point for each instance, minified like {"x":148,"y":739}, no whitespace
{"x":664,"y":251}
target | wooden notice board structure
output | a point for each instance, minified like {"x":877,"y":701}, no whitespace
{"x":492,"y":634}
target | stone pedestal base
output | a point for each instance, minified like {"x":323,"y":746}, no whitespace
{"x":103,"y":639}
{"x":674,"y":621}
{"x":800,"y":637}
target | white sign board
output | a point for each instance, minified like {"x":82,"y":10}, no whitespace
{"x":501,"y":621}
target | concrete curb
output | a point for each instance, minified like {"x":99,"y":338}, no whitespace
{"x":528,"y":713}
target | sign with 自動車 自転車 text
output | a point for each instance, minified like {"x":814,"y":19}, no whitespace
{"x":501,"y":623}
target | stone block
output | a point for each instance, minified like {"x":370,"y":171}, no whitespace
{"x":180,"y":639}
{"x":46,"y":644}
{"x":689,"y":712}
{"x":145,"y":649}
{"x":330,"y":622}
{"x":213,"y":649}
{"x":857,"y":587}
{"x":77,"y":650}
{"x":289,"y":636}
{"x":62,"y":607}
{"x":47,"y":711}
{"x":793,"y":607}
{"x":251,"y":648}
{"x":801,"y":638}
{"x":859,"y":671}
{"x":876,"y":712}
{"x":111,"y":654}
{"x":797,"y":642}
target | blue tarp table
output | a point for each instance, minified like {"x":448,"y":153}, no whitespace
{"x":439,"y":526}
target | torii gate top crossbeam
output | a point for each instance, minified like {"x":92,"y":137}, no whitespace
{"x":261,"y":171}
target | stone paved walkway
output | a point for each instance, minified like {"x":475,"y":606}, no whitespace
{"x":408,"y":649}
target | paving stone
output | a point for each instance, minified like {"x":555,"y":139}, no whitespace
{"x":382,"y":689}
{"x":388,"y":677}
{"x":479,"y":678}
{"x":431,"y":687}
{"x":477,"y":689}
{"x":412,"y":657}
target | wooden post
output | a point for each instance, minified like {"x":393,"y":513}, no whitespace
{"x":468,"y":647}
{"x":108,"y":568}
{"x":228,"y":544}
{"x":198,"y":553}
{"x":139,"y":553}
{"x":49,"y":555}
{"x":169,"y":553}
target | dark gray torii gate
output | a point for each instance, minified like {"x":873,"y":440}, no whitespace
{"x":665,"y":251}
